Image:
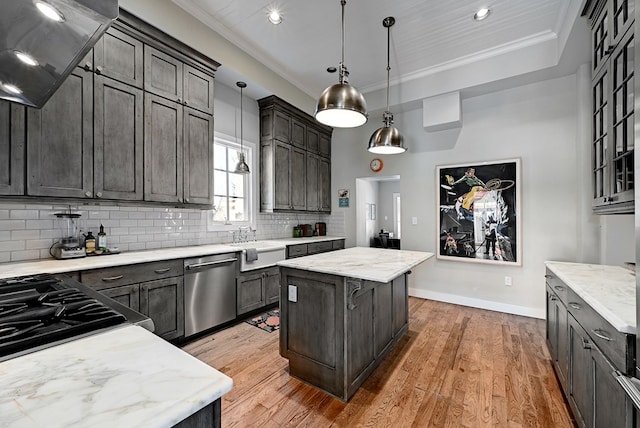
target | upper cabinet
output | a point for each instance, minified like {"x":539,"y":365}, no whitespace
{"x":295,"y":165}
{"x":133,"y":122}
{"x":612,"y":43}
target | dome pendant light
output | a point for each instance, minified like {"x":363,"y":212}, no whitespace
{"x":387,"y":140}
{"x":341,"y":105}
{"x":241,"y":167}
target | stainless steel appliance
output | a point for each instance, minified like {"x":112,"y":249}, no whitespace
{"x":209,"y":292}
{"x":44,"y":310}
{"x":69,"y":245}
{"x":41,"y":42}
{"x":321,"y":228}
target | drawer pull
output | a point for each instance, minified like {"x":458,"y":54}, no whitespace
{"x":548,"y":276}
{"x":601,"y":334}
{"x":559,"y":288}
{"x":575,"y":306}
{"x":585,"y":344}
{"x":113,"y":278}
{"x":165,"y":270}
{"x":554,"y":298}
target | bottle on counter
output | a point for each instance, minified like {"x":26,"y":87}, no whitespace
{"x":90,"y":243}
{"x":101,"y":243}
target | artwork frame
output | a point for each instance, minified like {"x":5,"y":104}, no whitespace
{"x":479,"y":212}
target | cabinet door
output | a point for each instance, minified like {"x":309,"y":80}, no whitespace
{"x":622,"y":16}
{"x":128,"y":295}
{"x":313,"y":140}
{"x":383,"y":324}
{"x":118,"y":143}
{"x":580,"y":374}
{"x":600,"y":147}
{"x":162,"y":74}
{"x":12,"y":136}
{"x":163,"y":149}
{"x":609,"y":399}
{"x":281,"y":127}
{"x":198,"y":157}
{"x":60,"y":141}
{"x":198,"y":89}
{"x":313,"y":190}
{"x":250,"y":293}
{"x":324,"y":179}
{"x":298,"y":179}
{"x":400,"y":300}
{"x":119,"y":56}
{"x":324,"y":146}
{"x":282,"y":176}
{"x":272,"y":285}
{"x":552,"y":325}
{"x":622,"y":164}
{"x":600,"y":39}
{"x":298,"y":134}
{"x":162,"y":300}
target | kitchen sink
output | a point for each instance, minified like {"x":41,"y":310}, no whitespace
{"x":269,"y":253}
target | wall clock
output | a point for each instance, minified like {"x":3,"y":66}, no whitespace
{"x":376,"y":165}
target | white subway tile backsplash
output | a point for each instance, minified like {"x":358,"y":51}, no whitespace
{"x":153,"y":245}
{"x":21,"y":235}
{"x":5,"y":257}
{"x":18,"y":256}
{"x":13,"y":224}
{"x":24,"y":214}
{"x":39,"y":224}
{"x":137,"y":246}
{"x":4,"y":214}
{"x":39,"y":244}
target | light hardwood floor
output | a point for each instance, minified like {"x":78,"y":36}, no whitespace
{"x":455,"y":367}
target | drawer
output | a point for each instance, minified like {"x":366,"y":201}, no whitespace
{"x":338,"y":245}
{"x":320,"y":247}
{"x":557,"y":286}
{"x":99,"y":279}
{"x":296,"y":250}
{"x":613,"y":344}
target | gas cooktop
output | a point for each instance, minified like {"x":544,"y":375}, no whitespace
{"x":41,"y":310}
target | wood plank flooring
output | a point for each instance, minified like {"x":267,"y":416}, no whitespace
{"x":455,"y":367}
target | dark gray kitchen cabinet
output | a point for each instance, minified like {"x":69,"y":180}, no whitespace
{"x":162,"y":300}
{"x":162,"y":74}
{"x":128,"y":295}
{"x":118,"y":140}
{"x":292,"y":175}
{"x":163,"y":149}
{"x":12,"y":146}
{"x":612,"y":45}
{"x":557,"y":328}
{"x":324,"y":145}
{"x":60,"y":141}
{"x":198,"y":89}
{"x":580,"y":374}
{"x":118,"y":56}
{"x":198,"y":157}
{"x":256,"y":289}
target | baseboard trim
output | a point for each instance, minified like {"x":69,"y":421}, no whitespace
{"x":478,"y":303}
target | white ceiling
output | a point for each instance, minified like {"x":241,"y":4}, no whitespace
{"x":429,"y":37}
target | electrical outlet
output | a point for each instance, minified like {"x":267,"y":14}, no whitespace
{"x":507,"y":281}
{"x":414,"y":220}
{"x":293,"y":293}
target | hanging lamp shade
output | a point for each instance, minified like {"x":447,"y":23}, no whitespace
{"x":241,"y":166}
{"x":387,"y":140}
{"x":341,"y":105}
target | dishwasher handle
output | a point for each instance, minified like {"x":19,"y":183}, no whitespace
{"x":207,"y":264}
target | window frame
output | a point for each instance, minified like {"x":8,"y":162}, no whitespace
{"x":251,"y":189}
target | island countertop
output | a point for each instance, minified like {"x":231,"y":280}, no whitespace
{"x":124,"y":377}
{"x":373,"y":264}
{"x":610,"y":290}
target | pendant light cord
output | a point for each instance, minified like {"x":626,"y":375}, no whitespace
{"x":343,"y":70}
{"x":241,"y":126}
{"x":388,"y":61}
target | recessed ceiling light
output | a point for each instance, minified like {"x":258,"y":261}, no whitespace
{"x":26,"y":58}
{"x":274,"y":17}
{"x":11,"y":88}
{"x":50,"y":11}
{"x":481,"y":14}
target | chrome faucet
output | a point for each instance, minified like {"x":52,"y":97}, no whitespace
{"x":244,"y":234}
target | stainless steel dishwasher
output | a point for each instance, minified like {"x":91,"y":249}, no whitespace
{"x":209,"y":292}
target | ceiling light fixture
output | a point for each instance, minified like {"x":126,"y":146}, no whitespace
{"x":26,"y":58}
{"x":13,"y":89}
{"x":241,"y":167}
{"x":387,"y":139}
{"x":341,"y":105}
{"x":274,"y":17}
{"x":50,"y":11}
{"x":481,"y":14}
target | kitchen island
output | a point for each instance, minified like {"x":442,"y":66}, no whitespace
{"x":342,"y":312}
{"x":124,"y":377}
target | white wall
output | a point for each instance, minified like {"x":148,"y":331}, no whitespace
{"x":537,"y":123}
{"x":385,"y":203}
{"x":366,"y":194}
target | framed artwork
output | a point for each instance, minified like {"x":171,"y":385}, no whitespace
{"x":479,"y":212}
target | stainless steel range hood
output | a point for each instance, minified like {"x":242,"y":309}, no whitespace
{"x":38,"y":51}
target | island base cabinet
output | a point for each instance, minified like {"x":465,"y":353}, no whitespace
{"x":335,"y":331}
{"x":209,"y":416}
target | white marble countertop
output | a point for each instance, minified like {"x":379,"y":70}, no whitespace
{"x":9,"y":270}
{"x":373,"y":264}
{"x":609,"y":290}
{"x":125,"y":377}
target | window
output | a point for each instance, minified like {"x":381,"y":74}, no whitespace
{"x":232,"y":193}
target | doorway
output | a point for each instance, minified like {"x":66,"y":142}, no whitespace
{"x":378,"y":206}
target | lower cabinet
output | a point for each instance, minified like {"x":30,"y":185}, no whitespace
{"x":256,"y":289}
{"x":162,"y":300}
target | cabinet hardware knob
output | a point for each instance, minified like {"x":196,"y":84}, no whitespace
{"x":87,"y":194}
{"x":186,"y":199}
{"x":99,"y":69}
{"x":87,"y":66}
{"x":99,"y":194}
{"x":165,"y":270}
{"x":548,"y":276}
{"x":554,"y":298}
{"x":113,"y":278}
{"x":559,"y":288}
{"x":575,"y":306}
{"x":602,"y":334}
{"x":585,"y":344}
{"x":608,"y":51}
{"x":186,"y":102}
{"x":179,"y":100}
